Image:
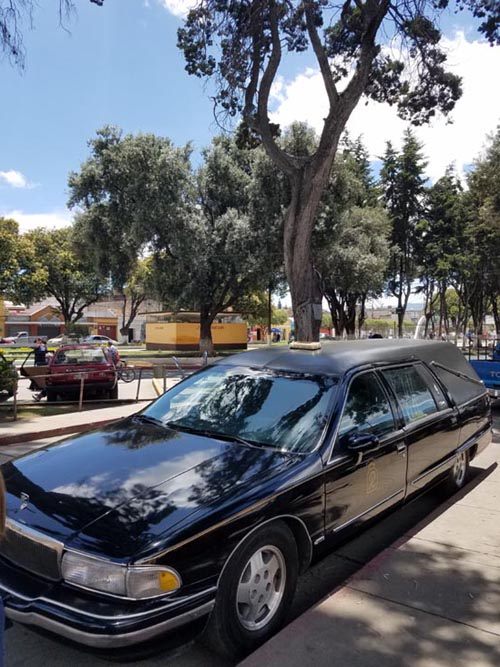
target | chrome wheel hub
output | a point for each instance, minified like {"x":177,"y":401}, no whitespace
{"x":460,"y":468}
{"x":261,"y":588}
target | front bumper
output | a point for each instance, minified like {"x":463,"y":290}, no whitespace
{"x":93,"y":620}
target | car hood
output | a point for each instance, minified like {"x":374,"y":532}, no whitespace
{"x":115,"y":490}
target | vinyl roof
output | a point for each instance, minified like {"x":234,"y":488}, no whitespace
{"x":338,"y":357}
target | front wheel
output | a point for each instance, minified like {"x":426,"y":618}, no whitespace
{"x":255,"y":591}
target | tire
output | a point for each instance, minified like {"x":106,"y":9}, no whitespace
{"x":255,"y":591}
{"x":113,"y":393}
{"x":127,"y":374}
{"x":51,"y":396}
{"x":458,"y":474}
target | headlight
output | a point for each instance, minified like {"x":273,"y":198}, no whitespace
{"x":135,"y":581}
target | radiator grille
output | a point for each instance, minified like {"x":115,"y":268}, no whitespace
{"x":30,"y":550}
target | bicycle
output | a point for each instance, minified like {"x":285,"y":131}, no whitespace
{"x":124,"y":372}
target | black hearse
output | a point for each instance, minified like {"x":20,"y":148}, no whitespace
{"x":211,"y":501}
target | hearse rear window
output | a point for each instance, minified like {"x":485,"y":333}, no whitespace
{"x":461,"y":388}
{"x":413,"y":394}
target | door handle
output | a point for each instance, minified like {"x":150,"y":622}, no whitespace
{"x":401,"y":447}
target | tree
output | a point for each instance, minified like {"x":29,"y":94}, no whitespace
{"x":402,"y":180}
{"x":240,"y":46}
{"x":20,"y":277}
{"x":484,"y":193}
{"x":350,"y":240}
{"x":9,"y":263}
{"x":439,"y":245}
{"x":69,"y":279}
{"x":133,"y":194}
{"x":353,"y":265}
{"x":13,"y":13}
{"x":222,"y":254}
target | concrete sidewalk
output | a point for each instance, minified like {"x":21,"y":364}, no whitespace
{"x":24,"y":430}
{"x":27,"y":430}
{"x":430,"y":600}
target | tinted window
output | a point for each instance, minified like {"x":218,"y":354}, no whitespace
{"x":412,"y":392}
{"x":461,"y":389}
{"x":431,"y":382}
{"x":367,"y":409}
{"x":280,"y":409}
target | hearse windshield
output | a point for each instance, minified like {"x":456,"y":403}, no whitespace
{"x":278,"y":409}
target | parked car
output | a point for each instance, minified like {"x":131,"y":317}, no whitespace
{"x":213,"y":499}
{"x":99,"y":340}
{"x":22,"y":339}
{"x":67,"y":366}
{"x":8,"y":377}
{"x":64,"y":339}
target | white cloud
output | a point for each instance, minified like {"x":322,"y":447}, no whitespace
{"x":476,"y":114}
{"x":15,"y":179}
{"x":29,"y":221}
{"x":178,"y":7}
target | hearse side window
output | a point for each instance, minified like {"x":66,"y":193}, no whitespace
{"x":367,"y":409}
{"x":439,"y":397}
{"x":413,"y":394}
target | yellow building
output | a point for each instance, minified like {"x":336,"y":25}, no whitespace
{"x":181,"y":331}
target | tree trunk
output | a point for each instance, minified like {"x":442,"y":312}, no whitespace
{"x":307,"y":186}
{"x":496,"y":315}
{"x":206,"y":343}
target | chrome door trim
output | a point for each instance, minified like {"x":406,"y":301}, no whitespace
{"x":370,"y":509}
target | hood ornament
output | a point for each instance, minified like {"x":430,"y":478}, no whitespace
{"x":24,"y":501}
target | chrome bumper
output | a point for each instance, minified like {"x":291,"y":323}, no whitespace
{"x":108,"y":640}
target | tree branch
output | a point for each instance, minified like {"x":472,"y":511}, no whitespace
{"x":321,"y":57}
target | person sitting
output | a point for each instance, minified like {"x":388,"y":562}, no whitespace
{"x":112,"y":353}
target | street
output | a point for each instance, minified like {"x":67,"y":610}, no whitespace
{"x":26,"y":647}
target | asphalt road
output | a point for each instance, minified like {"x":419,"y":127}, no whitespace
{"x":27,"y":648}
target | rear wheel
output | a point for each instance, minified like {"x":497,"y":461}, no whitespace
{"x":255,"y":591}
{"x":459,"y":472}
{"x":127,"y":374}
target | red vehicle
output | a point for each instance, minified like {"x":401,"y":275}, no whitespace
{"x":70,"y":362}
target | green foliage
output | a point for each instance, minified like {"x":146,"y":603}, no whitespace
{"x":21,"y":279}
{"x":133,"y":194}
{"x":231,"y":42}
{"x":350,"y":244}
{"x":69,"y":278}
{"x":402,"y":182}
{"x":228,"y":248}
{"x":8,"y":375}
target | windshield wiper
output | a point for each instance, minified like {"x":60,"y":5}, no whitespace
{"x":149,"y":420}
{"x":215,"y":434}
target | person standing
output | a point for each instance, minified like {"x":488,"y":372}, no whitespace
{"x":40,"y":354}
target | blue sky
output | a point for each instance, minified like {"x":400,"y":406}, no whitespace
{"x":119,"y":64}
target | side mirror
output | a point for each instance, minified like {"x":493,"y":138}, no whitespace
{"x":359,"y":442}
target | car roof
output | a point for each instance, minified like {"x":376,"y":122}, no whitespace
{"x":339,"y":357}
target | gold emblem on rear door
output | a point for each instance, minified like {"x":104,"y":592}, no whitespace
{"x":371,"y":477}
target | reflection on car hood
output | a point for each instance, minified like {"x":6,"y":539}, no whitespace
{"x":115,"y":490}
